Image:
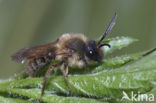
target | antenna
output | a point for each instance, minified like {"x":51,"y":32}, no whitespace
{"x":112,"y":23}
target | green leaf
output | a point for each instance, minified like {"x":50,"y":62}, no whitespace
{"x":35,"y":94}
{"x":13,"y":100}
{"x":117,"y":62}
{"x":117,"y":43}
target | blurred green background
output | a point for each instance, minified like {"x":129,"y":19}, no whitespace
{"x":33,"y":22}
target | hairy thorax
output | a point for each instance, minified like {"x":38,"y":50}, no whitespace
{"x":72,"y":47}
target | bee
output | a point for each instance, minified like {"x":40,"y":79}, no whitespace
{"x":69,"y":50}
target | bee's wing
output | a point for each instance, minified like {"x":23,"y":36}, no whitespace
{"x":34,"y":52}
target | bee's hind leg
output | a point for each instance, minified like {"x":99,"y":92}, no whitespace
{"x":47,"y":75}
{"x":65,"y":73}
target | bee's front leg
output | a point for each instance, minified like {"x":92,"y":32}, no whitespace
{"x":86,"y":64}
{"x":65,"y":73}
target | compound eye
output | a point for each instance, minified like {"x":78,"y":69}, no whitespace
{"x":91,"y":52}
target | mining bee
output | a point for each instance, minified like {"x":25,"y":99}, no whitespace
{"x":69,"y":50}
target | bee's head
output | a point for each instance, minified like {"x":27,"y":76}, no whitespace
{"x":94,"y":51}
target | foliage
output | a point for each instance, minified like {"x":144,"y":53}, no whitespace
{"x":104,"y":83}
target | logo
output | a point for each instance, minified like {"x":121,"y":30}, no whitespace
{"x":137,"y":97}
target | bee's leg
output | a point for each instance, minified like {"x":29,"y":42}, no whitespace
{"x":82,"y":57}
{"x":47,"y":75}
{"x":86,"y":64}
{"x":65,"y":73}
{"x":29,"y":68}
